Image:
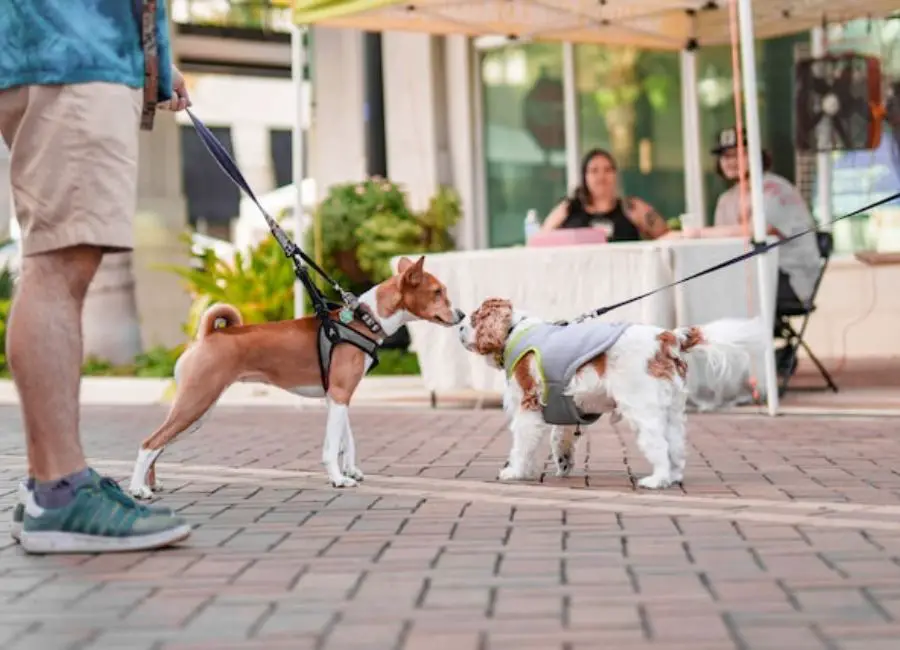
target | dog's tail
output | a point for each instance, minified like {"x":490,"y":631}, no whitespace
{"x":218,"y":316}
{"x":719,"y":360}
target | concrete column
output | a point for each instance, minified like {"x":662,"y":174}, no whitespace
{"x":337,"y":140}
{"x":161,"y":220}
{"x":461,"y":111}
{"x":415,"y":104}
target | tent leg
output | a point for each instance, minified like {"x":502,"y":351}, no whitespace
{"x":571,"y":121}
{"x":754,"y":155}
{"x":690,"y":126}
{"x":298,"y":74}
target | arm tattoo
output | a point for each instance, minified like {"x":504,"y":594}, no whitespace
{"x":651,"y":218}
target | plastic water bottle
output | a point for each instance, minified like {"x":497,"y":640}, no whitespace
{"x":531,"y":224}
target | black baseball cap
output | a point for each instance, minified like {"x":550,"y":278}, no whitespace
{"x":727,"y":139}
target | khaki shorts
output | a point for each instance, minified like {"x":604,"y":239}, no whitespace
{"x":73,"y":163}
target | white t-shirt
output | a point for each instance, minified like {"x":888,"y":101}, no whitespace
{"x":787,"y":212}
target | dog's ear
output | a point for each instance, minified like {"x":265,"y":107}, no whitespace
{"x":402,"y":265}
{"x":414,"y":273}
{"x":492,"y":319}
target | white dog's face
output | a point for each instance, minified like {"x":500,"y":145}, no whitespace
{"x":485,"y":330}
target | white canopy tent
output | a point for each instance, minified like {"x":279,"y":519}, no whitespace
{"x":679,"y":25}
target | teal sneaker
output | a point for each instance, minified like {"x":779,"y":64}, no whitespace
{"x":18,"y":515}
{"x":115,"y":486}
{"x":100,"y":519}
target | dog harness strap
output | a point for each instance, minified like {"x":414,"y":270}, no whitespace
{"x":560,"y":351}
{"x":332,"y":333}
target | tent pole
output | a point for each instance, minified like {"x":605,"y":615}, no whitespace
{"x":298,"y":74}
{"x":754,"y":155}
{"x":690,"y":127}
{"x":570,"y":118}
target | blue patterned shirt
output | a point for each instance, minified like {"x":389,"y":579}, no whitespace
{"x":49,"y":42}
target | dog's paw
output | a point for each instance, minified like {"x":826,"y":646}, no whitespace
{"x":343,"y":482}
{"x":355,"y":473}
{"x":510,"y":474}
{"x":142,"y":492}
{"x":564,"y":464}
{"x":654,"y":482}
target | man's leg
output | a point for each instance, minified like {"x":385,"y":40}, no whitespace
{"x":44,"y":350}
{"x":74,"y":176}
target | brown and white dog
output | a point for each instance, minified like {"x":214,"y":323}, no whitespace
{"x":285,"y":354}
{"x":641,"y":378}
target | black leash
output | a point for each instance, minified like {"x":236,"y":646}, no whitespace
{"x":302,"y":262}
{"x":758,"y":249}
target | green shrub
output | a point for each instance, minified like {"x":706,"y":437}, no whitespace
{"x":396,"y":363}
{"x":364,"y":225}
{"x":259,"y":284}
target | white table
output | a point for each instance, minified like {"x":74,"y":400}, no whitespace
{"x":556,"y":283}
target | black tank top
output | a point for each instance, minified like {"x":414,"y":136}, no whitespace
{"x":621,"y":227}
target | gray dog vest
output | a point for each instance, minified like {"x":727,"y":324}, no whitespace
{"x":560,"y":350}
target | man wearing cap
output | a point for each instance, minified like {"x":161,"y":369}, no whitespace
{"x":799,"y":260}
{"x":786,"y":214}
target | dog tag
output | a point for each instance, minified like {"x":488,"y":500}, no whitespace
{"x":346,"y":316}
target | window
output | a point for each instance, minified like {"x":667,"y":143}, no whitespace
{"x":629,"y":103}
{"x":281,"y":145}
{"x":524,"y":137}
{"x":211,"y":195}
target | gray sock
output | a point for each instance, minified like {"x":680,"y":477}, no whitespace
{"x":29,"y":484}
{"x":61,"y":492}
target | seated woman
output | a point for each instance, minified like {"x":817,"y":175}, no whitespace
{"x":596,"y":203}
{"x":799,"y":261}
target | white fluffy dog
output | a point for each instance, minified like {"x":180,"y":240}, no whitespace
{"x":636,"y":372}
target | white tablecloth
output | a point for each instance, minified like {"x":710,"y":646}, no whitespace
{"x":556,"y":283}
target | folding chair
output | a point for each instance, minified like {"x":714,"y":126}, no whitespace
{"x":792,"y":337}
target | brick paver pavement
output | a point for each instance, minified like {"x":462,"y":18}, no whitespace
{"x":785,"y":537}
